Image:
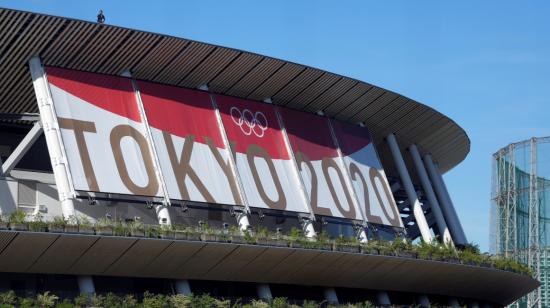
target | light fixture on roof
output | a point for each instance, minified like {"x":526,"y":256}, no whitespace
{"x":362,"y":124}
{"x":320,"y":112}
{"x":203,"y":87}
{"x":268,"y":100}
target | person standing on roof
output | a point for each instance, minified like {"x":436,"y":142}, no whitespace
{"x":100,"y":17}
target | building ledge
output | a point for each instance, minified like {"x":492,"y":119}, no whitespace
{"x":97,"y":255}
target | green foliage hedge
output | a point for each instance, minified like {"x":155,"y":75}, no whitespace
{"x":150,"y":300}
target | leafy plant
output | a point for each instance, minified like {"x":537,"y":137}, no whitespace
{"x":58,"y":221}
{"x":46,"y":300}
{"x":279,"y":302}
{"x":180,"y":300}
{"x":97,"y":300}
{"x":81,"y":300}
{"x":151,"y":300}
{"x":120,"y":228}
{"x":84,"y":222}
{"x":26,"y":302}
{"x":129,"y":301}
{"x":8,"y":298}
{"x":18,"y":217}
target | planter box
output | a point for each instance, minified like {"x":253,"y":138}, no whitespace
{"x":295,"y":245}
{"x":3,"y":225}
{"x":192,"y":236}
{"x":38,"y":229}
{"x":137,"y":233}
{"x":71,"y":229}
{"x":210,"y":238}
{"x":86,"y":230}
{"x":56,"y":229}
{"x":180,"y":235}
{"x":277,"y":242}
{"x":19,"y":227}
{"x":326,"y":246}
{"x":104,"y":230}
{"x":262,"y":241}
{"x":370,"y":251}
{"x":238,"y":239}
{"x":405,"y":254}
{"x":167,"y":235}
{"x":348,"y":248}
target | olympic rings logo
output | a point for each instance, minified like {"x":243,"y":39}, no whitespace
{"x":249,"y":122}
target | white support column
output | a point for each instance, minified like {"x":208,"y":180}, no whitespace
{"x":22,"y":148}
{"x":182,"y":287}
{"x":447,"y":207}
{"x":428,"y":190}
{"x":309,"y":231}
{"x":86,"y":285}
{"x":409,"y":188}
{"x":382,"y":299}
{"x":242,"y":217}
{"x":242,"y":220}
{"x":330,"y":296}
{"x":264,"y":291}
{"x":163,"y":215}
{"x":424,"y":301}
{"x":362,"y":236}
{"x":53,"y":137}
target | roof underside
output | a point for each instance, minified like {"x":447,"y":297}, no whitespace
{"x":93,"y":47}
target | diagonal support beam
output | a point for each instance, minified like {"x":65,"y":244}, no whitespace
{"x":22,"y":148}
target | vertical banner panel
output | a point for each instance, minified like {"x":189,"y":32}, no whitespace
{"x":265,"y":166}
{"x":321,"y":170}
{"x":103,"y":133}
{"x":367,"y":174}
{"x":192,"y":154}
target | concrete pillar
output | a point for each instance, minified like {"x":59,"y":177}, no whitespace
{"x":264,"y":291}
{"x":330,"y":296}
{"x":382,"y":299}
{"x":86,"y":285}
{"x":423,"y":301}
{"x":163,"y":216}
{"x":52,"y":134}
{"x":409,"y":188}
{"x":447,"y":207}
{"x":182,"y":287}
{"x":430,"y":195}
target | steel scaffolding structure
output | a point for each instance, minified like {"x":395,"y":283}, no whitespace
{"x":520,"y":213}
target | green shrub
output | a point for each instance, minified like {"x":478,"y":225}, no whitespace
{"x":18,"y":217}
{"x":180,"y":301}
{"x":151,"y":300}
{"x":46,"y":300}
{"x":26,"y":302}
{"x":279,"y":302}
{"x":81,"y":300}
{"x":112,"y":300}
{"x":97,"y":300}
{"x":8,"y":298}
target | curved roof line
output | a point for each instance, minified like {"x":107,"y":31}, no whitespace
{"x":100,"y":48}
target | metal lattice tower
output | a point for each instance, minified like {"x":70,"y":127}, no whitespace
{"x":520,"y":211}
{"x":533,"y":299}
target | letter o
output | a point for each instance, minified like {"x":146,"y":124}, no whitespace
{"x":119,"y":132}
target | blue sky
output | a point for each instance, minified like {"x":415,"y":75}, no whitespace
{"x":485,"y":64}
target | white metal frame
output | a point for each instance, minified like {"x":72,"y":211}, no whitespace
{"x":418,"y":212}
{"x":56,"y":149}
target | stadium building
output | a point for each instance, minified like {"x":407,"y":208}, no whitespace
{"x":105,"y":124}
